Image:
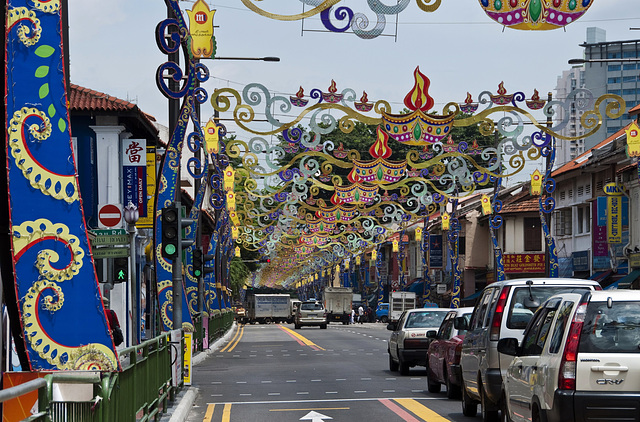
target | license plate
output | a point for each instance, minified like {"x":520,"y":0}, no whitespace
{"x":312,"y":315}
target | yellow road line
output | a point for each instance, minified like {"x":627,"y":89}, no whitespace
{"x":209,"y":415}
{"x":421,"y":411}
{"x":226,"y":413}
{"x":238,"y":333}
{"x":238,"y":340}
{"x":303,"y":339}
{"x":314,"y":408}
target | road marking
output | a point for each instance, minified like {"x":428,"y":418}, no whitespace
{"x":302,"y":338}
{"x":302,"y":393}
{"x":314,"y":408}
{"x":292,"y":380}
{"x":388,"y":391}
{"x":421,"y":411}
{"x":365,"y":379}
{"x":273,"y":394}
{"x":360,"y":391}
{"x":331,"y":392}
{"x":241,"y":382}
{"x":341,"y":379}
{"x":216,"y":382}
{"x":245,"y":394}
{"x":231,"y":345}
{"x":406,"y":416}
{"x":326,"y":400}
{"x":209,"y":415}
{"x":226,"y":413}
{"x":390,"y":379}
{"x":266,"y":382}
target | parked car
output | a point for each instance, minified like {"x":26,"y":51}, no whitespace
{"x":443,"y":357}
{"x":409,"y":343}
{"x":382,"y":314}
{"x":311,"y":313}
{"x":579,"y":360}
{"x":503,"y":310}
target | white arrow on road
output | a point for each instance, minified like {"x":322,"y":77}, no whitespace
{"x":315,"y":417}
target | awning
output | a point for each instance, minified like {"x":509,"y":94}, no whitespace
{"x":601,"y":275}
{"x":473,"y":297}
{"x":416,"y":287}
{"x":628,"y":279}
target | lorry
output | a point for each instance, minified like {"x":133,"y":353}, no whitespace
{"x":268,"y":308}
{"x":337,"y":302}
{"x":400,"y":302}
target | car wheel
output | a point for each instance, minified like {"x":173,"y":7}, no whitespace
{"x":453,"y":391}
{"x":487,"y":415}
{"x":393,"y":365}
{"x":384,"y":319}
{"x":404,"y":366}
{"x":323,"y":327}
{"x":432,"y":385}
{"x":469,"y":407}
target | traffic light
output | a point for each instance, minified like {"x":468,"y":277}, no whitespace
{"x":266,"y":260}
{"x":197,"y":262}
{"x":207,"y":259}
{"x":120,"y":270}
{"x":172,"y":225}
{"x":170,"y":232}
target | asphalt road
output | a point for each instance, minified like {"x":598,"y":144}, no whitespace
{"x":275,"y":373}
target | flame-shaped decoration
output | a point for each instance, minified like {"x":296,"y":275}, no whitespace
{"x":418,"y":98}
{"x":501,"y":98}
{"x":332,"y":96}
{"x":299,"y":100}
{"x":364,"y":104}
{"x":380,"y":148}
{"x":469,"y":107}
{"x":332,"y":87}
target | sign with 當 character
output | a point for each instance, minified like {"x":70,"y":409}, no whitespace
{"x":134,"y":173}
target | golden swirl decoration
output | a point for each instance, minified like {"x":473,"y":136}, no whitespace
{"x":163,"y":262}
{"x":21,"y":13}
{"x":40,"y":178}
{"x":168,"y":306}
{"x":25,"y":234}
{"x":322,"y":6}
{"x":90,"y":356}
{"x":47,"y":6}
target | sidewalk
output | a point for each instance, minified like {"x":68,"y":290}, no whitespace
{"x":179,"y":409}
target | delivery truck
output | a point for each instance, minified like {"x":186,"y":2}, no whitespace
{"x":268,"y":308}
{"x":400,"y":302}
{"x":337,"y":302}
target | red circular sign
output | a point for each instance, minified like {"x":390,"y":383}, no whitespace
{"x":109,"y":215}
{"x":200,"y":17}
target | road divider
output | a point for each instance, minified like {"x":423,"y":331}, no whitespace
{"x":300,"y":339}
{"x":234,"y":341}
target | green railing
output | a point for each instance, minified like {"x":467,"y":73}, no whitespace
{"x":141,"y":392}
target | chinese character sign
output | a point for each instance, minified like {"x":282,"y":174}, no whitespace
{"x":134,"y":173}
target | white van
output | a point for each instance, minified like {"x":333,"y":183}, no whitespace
{"x":503,"y":310}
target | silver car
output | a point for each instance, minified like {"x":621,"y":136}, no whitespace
{"x":311,"y":313}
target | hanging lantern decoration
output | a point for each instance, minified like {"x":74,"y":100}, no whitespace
{"x":633,"y":140}
{"x":338,"y":268}
{"x":535,"y":15}
{"x":212,"y":137}
{"x":231,"y":201}
{"x":536,"y":183}
{"x":358,"y":260}
{"x":234,"y":232}
{"x":418,"y":234}
{"x":316,"y":276}
{"x":445,"y":221}
{"x":346,"y":265}
{"x":486,"y":204}
{"x":237,"y":251}
{"x":229,"y":176}
{"x":395,"y":246}
{"x":374,"y":256}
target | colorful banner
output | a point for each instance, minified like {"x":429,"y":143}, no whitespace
{"x":134,"y":177}
{"x":524,"y":263}
{"x":146,"y":219}
{"x":614,"y":219}
{"x":435,"y":251}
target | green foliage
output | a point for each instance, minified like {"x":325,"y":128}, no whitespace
{"x":238,"y":276}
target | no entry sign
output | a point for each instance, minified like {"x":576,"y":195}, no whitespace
{"x":109,"y":216}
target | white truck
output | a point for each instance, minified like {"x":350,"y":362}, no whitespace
{"x":268,"y":308}
{"x":337,"y":302}
{"x":400,"y":302}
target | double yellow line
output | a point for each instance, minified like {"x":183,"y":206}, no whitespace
{"x":234,"y":341}
{"x":226,"y":413}
{"x":303,"y":339}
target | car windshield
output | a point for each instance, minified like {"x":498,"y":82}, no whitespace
{"x":311,"y":307}
{"x":425,"y":319}
{"x":520,"y":314}
{"x":611,"y":330}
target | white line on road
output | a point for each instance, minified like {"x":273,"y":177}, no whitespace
{"x":390,"y":379}
{"x":273,"y":394}
{"x":316,"y":380}
{"x":216,"y":382}
{"x":266,"y":382}
{"x":331,"y":400}
{"x":365,"y":379}
{"x":360,"y":391}
{"x":241,"y":382}
{"x":331,"y":392}
{"x":292,"y":380}
{"x":388,"y":391}
{"x":341,"y":379}
{"x":301,"y":393}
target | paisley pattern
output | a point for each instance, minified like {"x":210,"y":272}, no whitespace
{"x":55,"y":279}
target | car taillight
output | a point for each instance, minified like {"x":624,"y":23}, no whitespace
{"x":416,"y":343}
{"x":567,"y":373}
{"x":497,"y":316}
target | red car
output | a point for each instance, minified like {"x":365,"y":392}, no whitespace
{"x":443,"y":357}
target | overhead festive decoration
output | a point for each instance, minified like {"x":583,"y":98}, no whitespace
{"x":535,"y":14}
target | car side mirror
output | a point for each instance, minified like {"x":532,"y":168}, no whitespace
{"x":432,"y":334}
{"x":460,"y":323}
{"x":509,"y":346}
{"x":391,"y":326}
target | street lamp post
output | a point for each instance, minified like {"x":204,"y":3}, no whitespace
{"x":131,"y":216}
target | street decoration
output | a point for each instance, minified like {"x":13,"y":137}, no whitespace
{"x":516,"y":14}
{"x":51,"y":265}
{"x":338,"y":202}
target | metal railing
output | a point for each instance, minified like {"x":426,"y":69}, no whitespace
{"x":141,"y":392}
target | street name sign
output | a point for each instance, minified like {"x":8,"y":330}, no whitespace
{"x":110,"y":240}
{"x":102,"y":253}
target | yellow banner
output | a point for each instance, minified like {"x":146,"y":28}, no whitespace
{"x":188,"y":344}
{"x":614,"y":219}
{"x":147,"y":221}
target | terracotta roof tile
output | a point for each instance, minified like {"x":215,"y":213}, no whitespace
{"x":527,"y":205}
{"x":635,"y":110}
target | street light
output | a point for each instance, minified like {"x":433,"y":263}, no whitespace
{"x":131,"y":216}
{"x":263,"y":59}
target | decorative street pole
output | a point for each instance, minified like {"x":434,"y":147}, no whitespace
{"x":131,"y":216}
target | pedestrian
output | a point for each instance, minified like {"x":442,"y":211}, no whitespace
{"x":352,"y":316}
{"x":114,"y":324}
{"x":360,"y":314}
